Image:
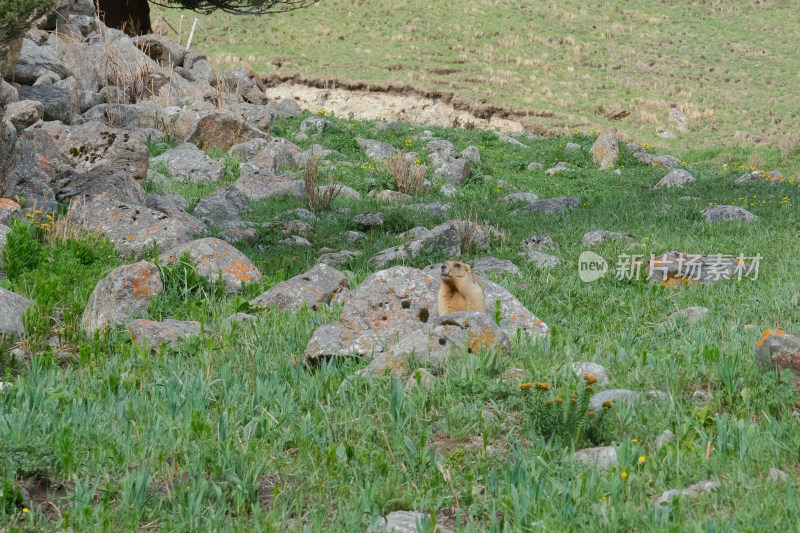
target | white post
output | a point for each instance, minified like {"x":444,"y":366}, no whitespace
{"x":180,"y":29}
{"x":191,"y":34}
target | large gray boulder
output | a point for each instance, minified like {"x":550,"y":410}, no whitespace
{"x":312,"y":289}
{"x":452,"y":335}
{"x":175,"y":208}
{"x":727,"y":213}
{"x":101,"y":179}
{"x":392,"y":303}
{"x":213,"y":127}
{"x":376,"y":150}
{"x":36,"y":61}
{"x":225,"y":204}
{"x":152,"y":334}
{"x":133,"y":229}
{"x":550,"y":205}
{"x":58,"y":103}
{"x":187,"y":163}
{"x":94,"y":144}
{"x":216,"y":259}
{"x":12,"y":308}
{"x":125,"y":292}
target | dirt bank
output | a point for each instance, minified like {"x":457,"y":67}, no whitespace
{"x":394,"y":102}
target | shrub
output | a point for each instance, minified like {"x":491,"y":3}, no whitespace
{"x":570,"y":419}
{"x":409,"y":176}
{"x":16,"y":16}
{"x":319,"y":199}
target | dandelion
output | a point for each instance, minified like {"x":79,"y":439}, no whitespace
{"x":641,"y":459}
{"x":542,"y":385}
{"x":634,"y":441}
{"x":525,"y":386}
{"x":321,"y":112}
{"x":624,"y":475}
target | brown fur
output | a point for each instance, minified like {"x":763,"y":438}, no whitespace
{"x":459,"y":290}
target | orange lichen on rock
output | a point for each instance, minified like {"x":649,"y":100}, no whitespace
{"x":240,"y":270}
{"x":767,"y":334}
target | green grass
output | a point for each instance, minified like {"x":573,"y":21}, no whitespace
{"x":233,"y":433}
{"x":728,"y":66}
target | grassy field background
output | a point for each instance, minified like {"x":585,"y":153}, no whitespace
{"x":731,"y":67}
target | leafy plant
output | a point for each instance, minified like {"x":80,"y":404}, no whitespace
{"x":16,"y":16}
{"x":10,"y":497}
{"x":569,"y":421}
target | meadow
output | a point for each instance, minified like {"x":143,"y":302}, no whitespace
{"x":730,"y":67}
{"x":236,"y":433}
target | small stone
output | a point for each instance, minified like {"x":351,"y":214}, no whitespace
{"x":521,"y":197}
{"x":666,"y":437}
{"x":593,"y":238}
{"x":542,"y":259}
{"x":690,"y":314}
{"x":368,"y":221}
{"x":513,"y":375}
{"x":613,"y":395}
{"x":601,"y":457}
{"x":605,"y":149}
{"x":550,"y":205}
{"x":535,"y":166}
{"x":700,"y":398}
{"x":726,"y":213}
{"x":572,"y":147}
{"x":676,"y":178}
{"x":393,"y":197}
{"x":689,"y":492}
{"x":354,"y":236}
{"x":448,"y":190}
{"x":778,"y":475}
{"x":667,"y":134}
{"x":472,"y":153}
{"x":539,"y":242}
{"x":562,"y":165}
{"x":485,"y":265}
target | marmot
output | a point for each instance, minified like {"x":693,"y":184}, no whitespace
{"x":459,"y":291}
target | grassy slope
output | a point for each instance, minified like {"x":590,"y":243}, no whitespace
{"x":230,"y":434}
{"x":729,"y":66}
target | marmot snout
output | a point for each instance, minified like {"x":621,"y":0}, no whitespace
{"x":459,"y":291}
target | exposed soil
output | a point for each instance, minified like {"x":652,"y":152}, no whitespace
{"x":395,"y":101}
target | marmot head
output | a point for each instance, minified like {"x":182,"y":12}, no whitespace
{"x":455,"y":269}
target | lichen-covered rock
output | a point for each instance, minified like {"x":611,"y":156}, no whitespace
{"x":447,"y":336}
{"x":9,"y":209}
{"x":117,"y":183}
{"x":485,"y":265}
{"x":213,"y":127}
{"x":376,"y":150}
{"x":550,"y":205}
{"x":226,"y":203}
{"x":337,"y":259}
{"x":605,"y":149}
{"x":392,"y":303}
{"x":187,"y":163}
{"x":125,"y":292}
{"x":668,"y":161}
{"x":12,"y":308}
{"x":368,"y":221}
{"x":449,"y":237}
{"x":677,"y":178}
{"x":726,"y":213}
{"x":58,"y":103}
{"x":133,"y":229}
{"x":24,"y":113}
{"x":593,"y":238}
{"x":690,"y":314}
{"x":539,"y":242}
{"x":779,"y":350}
{"x":259,"y":178}
{"x":94,"y":144}
{"x":759,"y":176}
{"x":454,"y":170}
{"x":312,"y":289}
{"x":35,"y":61}
{"x":175,"y":207}
{"x":216,"y":259}
{"x":152,"y":334}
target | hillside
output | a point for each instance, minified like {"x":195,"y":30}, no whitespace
{"x":729,"y":67}
{"x":197,"y":334}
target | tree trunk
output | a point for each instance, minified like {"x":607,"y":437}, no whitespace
{"x":130,"y":16}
